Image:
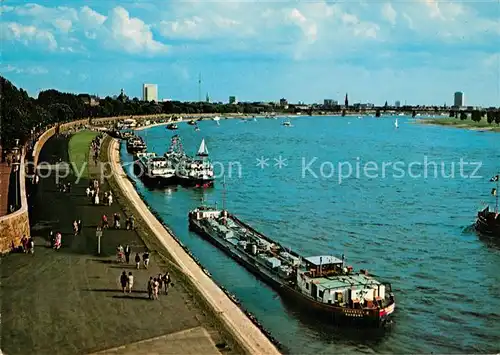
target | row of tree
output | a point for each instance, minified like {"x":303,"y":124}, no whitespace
{"x":492,"y":116}
{"x":23,"y":116}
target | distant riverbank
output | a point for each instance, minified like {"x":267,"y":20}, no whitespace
{"x":206,"y":117}
{"x":482,"y":125}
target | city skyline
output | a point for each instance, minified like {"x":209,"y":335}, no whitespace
{"x":258,"y":51}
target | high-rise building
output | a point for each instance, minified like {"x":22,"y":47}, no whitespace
{"x":346,"y":101}
{"x":233,"y":100}
{"x":397,"y":104}
{"x":283,"y":102}
{"x":150,"y":92}
{"x":458,"y":99}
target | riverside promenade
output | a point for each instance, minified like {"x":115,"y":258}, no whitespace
{"x":69,"y":301}
{"x":247,"y":333}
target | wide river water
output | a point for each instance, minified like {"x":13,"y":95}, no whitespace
{"x":406,"y":224}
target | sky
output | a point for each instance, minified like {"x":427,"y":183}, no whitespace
{"x":414,"y":51}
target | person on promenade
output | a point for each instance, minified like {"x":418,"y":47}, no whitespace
{"x":120,"y":254}
{"x":110,"y":199}
{"x":31,"y":244}
{"x":156,"y":285}
{"x":58,"y":241}
{"x":124,"y":281}
{"x":79,"y":224}
{"x":137,"y":261}
{"x":75,"y":227}
{"x":166,"y":281}
{"x":130,"y":283}
{"x":160,"y":282}
{"x":150,"y":288}
{"x":116,"y":218}
{"x":87,"y":191}
{"x":24,"y":243}
{"x":145,"y":259}
{"x":127,"y":253}
{"x":105,"y":222}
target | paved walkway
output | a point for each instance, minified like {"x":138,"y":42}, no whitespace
{"x":69,"y":302}
{"x":247,"y":333}
{"x":198,"y":340}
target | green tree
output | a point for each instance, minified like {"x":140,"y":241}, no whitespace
{"x":463,"y":116}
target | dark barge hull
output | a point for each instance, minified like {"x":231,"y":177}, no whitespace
{"x":488,"y":223}
{"x":337,"y":315}
{"x":152,"y":181}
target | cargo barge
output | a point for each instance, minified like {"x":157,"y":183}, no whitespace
{"x":488,"y":221}
{"x":319,"y":283}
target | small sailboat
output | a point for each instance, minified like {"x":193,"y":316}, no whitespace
{"x":196,"y":128}
{"x":203,"y":150}
{"x":396,"y":124}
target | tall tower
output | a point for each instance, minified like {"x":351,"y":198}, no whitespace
{"x":207,"y":99}
{"x":199,"y":87}
{"x":346,"y":101}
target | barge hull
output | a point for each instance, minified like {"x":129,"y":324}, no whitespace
{"x":338,"y":315}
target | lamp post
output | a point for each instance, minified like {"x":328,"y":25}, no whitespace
{"x":98,"y":234}
{"x":16,"y":165}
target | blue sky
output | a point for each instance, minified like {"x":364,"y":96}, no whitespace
{"x":418,"y":51}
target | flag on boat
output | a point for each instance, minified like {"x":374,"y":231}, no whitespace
{"x":495,"y":178}
{"x":494,"y":192}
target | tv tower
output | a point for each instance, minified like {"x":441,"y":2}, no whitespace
{"x":199,"y":87}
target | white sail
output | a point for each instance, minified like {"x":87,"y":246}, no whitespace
{"x":203,"y":151}
{"x":396,"y":123}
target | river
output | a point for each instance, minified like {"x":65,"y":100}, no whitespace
{"x":406,"y":223}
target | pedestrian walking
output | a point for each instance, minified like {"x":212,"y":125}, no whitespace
{"x":145,"y":259}
{"x":32,"y":245}
{"x":137,"y":261}
{"x":75,"y":227}
{"x":124,"y":281}
{"x":130,"y":283}
{"x":127,"y":253}
{"x":150,"y":288}
{"x":156,"y":285}
{"x":166,"y":281}
{"x":105,"y":222}
{"x":79,"y":223}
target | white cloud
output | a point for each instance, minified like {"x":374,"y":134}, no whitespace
{"x":28,"y":35}
{"x":63,"y":24}
{"x":130,"y":34}
{"x":90,"y":19}
{"x":389,"y":13}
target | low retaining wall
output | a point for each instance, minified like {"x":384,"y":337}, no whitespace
{"x":13,"y":226}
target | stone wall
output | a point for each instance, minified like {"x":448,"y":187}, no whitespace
{"x":13,"y":226}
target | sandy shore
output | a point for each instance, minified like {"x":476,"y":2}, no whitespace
{"x":245,"y":332}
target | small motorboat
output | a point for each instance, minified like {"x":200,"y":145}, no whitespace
{"x":192,"y":122}
{"x":172,"y":126}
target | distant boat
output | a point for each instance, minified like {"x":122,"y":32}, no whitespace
{"x":197,"y":128}
{"x":172,"y":126}
{"x":192,"y":122}
{"x":396,"y":123}
{"x":287,"y":123}
{"x":203,"y":150}
{"x":216,"y":118}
